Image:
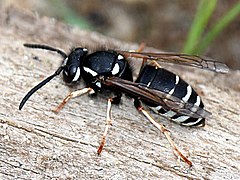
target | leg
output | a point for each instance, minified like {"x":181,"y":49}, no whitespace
{"x":114,"y":100}
{"x":139,"y":107}
{"x":153,"y":63}
{"x":72,"y":95}
{"x":141,"y":47}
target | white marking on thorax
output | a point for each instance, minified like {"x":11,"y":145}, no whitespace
{"x":88,"y":70}
{"x":98,"y":84}
{"x":120,"y":57}
{"x":115,"y":69}
{"x":77,"y":75}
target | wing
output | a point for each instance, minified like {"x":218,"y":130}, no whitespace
{"x":158,"y":97}
{"x":182,"y":59}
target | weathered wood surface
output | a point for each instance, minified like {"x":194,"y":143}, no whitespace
{"x":39,"y":144}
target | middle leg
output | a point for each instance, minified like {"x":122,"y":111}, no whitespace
{"x":114,"y":100}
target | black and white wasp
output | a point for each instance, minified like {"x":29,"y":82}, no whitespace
{"x":157,"y":88}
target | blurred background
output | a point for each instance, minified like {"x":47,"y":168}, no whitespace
{"x":210,"y":28}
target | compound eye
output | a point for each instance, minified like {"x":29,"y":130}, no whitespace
{"x":71,"y":74}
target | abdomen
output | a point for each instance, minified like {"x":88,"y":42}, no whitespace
{"x":169,"y":83}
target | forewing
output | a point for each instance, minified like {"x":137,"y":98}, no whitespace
{"x":163,"y":99}
{"x":182,"y":59}
{"x":170,"y":102}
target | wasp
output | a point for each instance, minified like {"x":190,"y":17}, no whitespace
{"x":155,"y":87}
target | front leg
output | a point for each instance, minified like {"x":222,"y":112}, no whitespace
{"x":72,"y":95}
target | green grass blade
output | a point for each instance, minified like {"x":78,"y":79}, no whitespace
{"x":69,"y":15}
{"x":218,"y":28}
{"x":205,"y":10}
